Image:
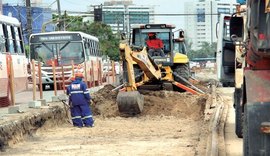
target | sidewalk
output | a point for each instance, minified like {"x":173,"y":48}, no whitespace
{"x":23,"y":98}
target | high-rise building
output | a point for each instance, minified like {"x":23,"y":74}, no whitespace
{"x":203,"y":16}
{"x":121,"y":15}
{"x":1,"y":7}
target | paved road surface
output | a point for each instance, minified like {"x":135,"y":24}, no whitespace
{"x":234,"y":145}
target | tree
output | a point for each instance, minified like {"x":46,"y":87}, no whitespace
{"x":109,"y":42}
{"x":206,"y":50}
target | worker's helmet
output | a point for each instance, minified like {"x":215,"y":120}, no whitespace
{"x":72,"y":78}
{"x":79,"y":75}
{"x":151,"y":34}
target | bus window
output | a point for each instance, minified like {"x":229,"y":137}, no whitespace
{"x":5,"y":37}
{"x":21,"y":39}
{"x":14,"y":39}
{"x":42,"y":53}
{"x":95,"y":48}
{"x":71,"y":51}
{"x":11,"y":41}
{"x":91,"y":48}
{"x":18,"y":40}
{"x":86,"y":46}
{"x":2,"y":40}
{"x":99,"y":53}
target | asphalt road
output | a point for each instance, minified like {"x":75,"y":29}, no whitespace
{"x":234,"y":145}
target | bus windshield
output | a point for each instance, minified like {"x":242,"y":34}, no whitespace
{"x":61,"y":53}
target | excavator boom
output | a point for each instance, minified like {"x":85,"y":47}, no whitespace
{"x":131,"y":101}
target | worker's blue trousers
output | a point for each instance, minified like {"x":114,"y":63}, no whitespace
{"x":81,"y":116}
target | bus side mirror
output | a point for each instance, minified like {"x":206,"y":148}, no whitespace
{"x":181,"y":34}
{"x":236,"y":28}
{"x":178,"y":40}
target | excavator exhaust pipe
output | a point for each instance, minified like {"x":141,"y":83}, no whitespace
{"x":130,"y":103}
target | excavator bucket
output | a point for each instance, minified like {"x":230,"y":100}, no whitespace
{"x":130,"y":103}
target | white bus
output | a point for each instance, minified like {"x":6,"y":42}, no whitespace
{"x":63,"y":48}
{"x":11,"y":49}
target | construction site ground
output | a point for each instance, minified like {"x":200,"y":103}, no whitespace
{"x":171,"y":123}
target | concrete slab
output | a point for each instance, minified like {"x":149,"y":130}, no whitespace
{"x":43,"y":102}
{"x":63,"y":97}
{"x":55,"y":99}
{"x":34,"y":104}
{"x":13,"y":109}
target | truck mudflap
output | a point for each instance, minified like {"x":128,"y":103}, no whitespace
{"x":256,"y":129}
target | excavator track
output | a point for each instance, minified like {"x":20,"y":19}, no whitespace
{"x":130,"y":103}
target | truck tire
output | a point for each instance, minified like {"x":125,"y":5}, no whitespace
{"x":245,"y":134}
{"x":183,"y":71}
{"x":238,"y":113}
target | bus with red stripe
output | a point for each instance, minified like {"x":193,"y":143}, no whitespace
{"x":11,"y":51}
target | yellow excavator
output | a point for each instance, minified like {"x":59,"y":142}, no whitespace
{"x":142,"y":71}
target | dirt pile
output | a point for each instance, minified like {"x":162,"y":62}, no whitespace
{"x":169,"y":103}
{"x":156,"y":103}
{"x":104,"y":102}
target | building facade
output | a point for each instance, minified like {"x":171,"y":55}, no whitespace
{"x":202,"y":19}
{"x":121,"y":15}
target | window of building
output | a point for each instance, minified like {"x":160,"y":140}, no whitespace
{"x":200,"y":15}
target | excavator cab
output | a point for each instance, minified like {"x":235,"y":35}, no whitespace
{"x":163,"y":32}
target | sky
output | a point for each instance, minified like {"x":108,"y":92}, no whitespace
{"x":161,"y":7}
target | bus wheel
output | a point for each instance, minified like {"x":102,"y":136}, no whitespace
{"x":6,"y":100}
{"x":43,"y":87}
{"x":51,"y":86}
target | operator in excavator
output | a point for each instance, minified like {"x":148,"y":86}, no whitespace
{"x":154,"y":45}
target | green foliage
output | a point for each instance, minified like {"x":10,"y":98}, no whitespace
{"x":109,"y":42}
{"x":206,"y":50}
{"x":27,"y":50}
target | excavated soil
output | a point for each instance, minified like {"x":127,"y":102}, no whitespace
{"x":156,"y":103}
{"x":171,"y":123}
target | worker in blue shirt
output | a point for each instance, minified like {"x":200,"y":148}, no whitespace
{"x":79,"y":96}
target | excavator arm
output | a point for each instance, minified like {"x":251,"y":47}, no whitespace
{"x":130,"y":101}
{"x":141,"y":57}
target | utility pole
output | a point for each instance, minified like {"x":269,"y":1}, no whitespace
{"x":59,"y":15}
{"x":126,"y":19}
{"x":211,"y":12}
{"x":64,"y":20}
{"x":29,"y":18}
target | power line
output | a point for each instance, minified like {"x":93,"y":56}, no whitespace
{"x":143,"y":14}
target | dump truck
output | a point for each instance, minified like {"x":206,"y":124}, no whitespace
{"x":144,"y":72}
{"x":249,"y":30}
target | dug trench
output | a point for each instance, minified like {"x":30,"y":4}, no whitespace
{"x":171,"y":123}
